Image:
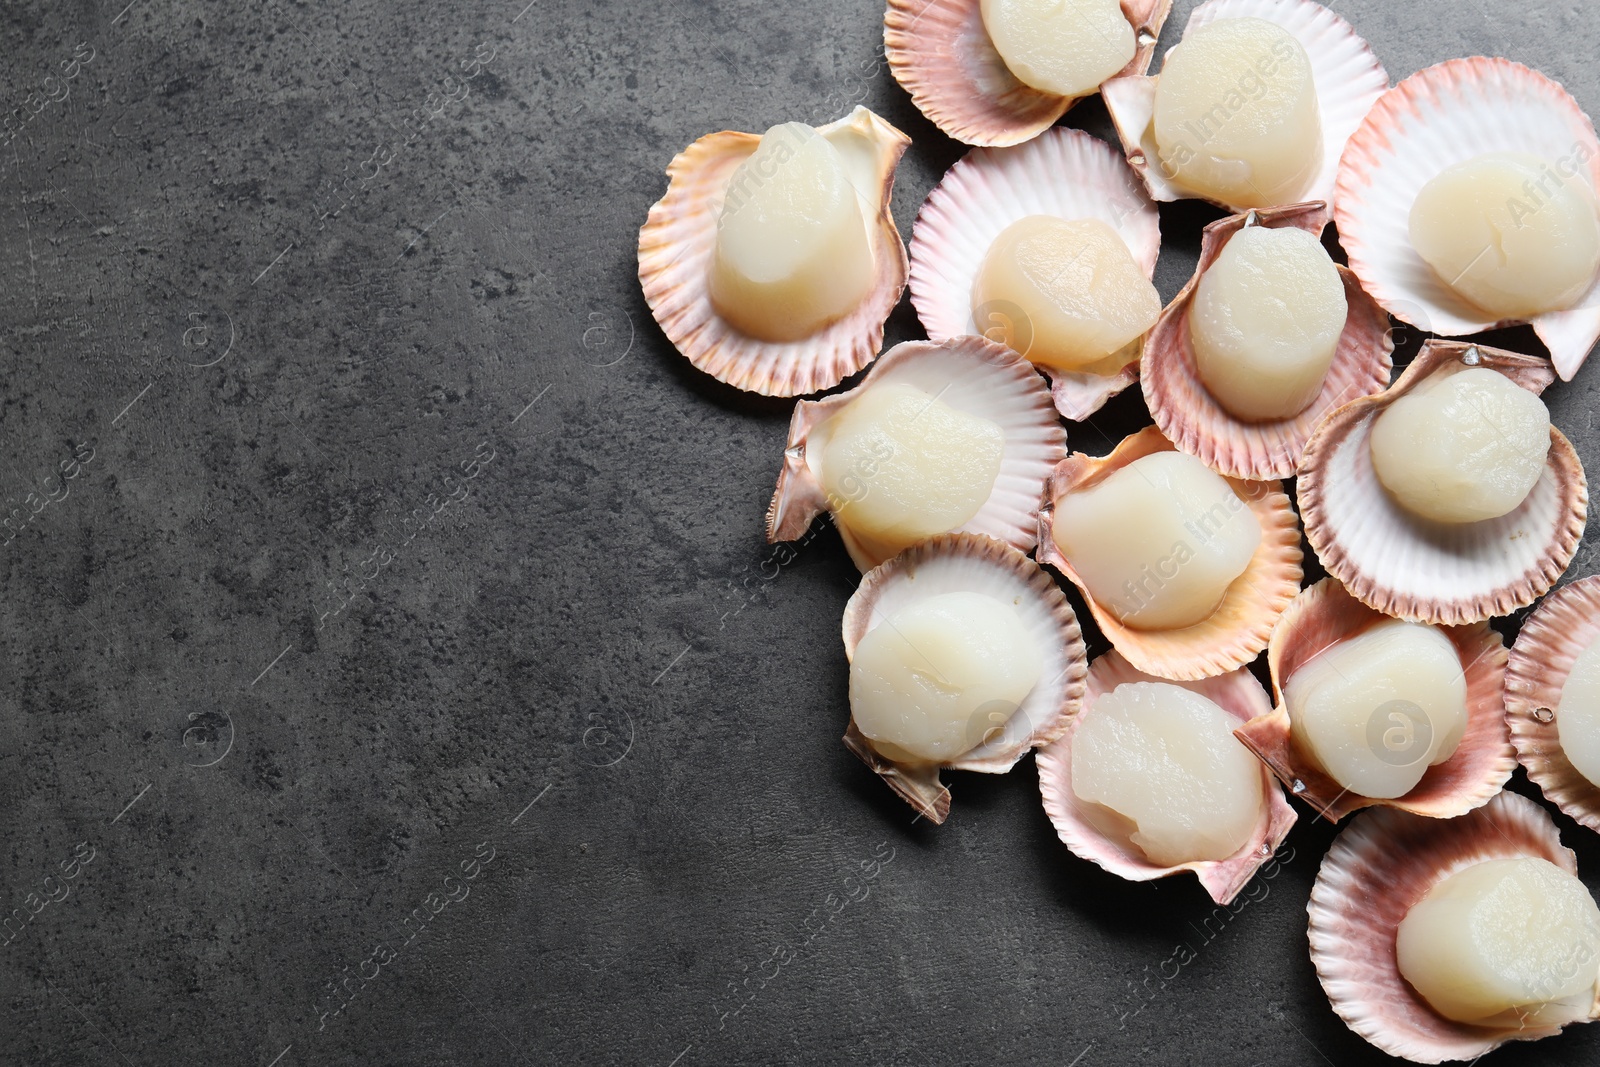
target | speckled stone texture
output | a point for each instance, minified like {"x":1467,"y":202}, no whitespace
{"x":393,"y":669}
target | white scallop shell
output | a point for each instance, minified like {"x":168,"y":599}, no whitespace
{"x":1437,"y":118}
{"x":1427,"y":572}
{"x":1240,"y":695}
{"x":970,"y":374}
{"x":1348,"y":78}
{"x":969,"y":563}
{"x":1379,"y":867}
{"x":940,"y":52}
{"x":678,"y":240}
{"x":1063,"y":172}
{"x":1560,"y":629}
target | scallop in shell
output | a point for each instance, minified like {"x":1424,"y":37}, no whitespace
{"x":975,"y":377}
{"x":1062,"y":173}
{"x":678,"y":241}
{"x":1325,"y":615}
{"x":1377,"y":870}
{"x":1542,"y":660}
{"x":1241,"y":696}
{"x":1347,"y":76}
{"x":943,"y":56}
{"x":1192,"y":418}
{"x":971,"y":563}
{"x":1439,"y":117}
{"x":1425,"y":572}
{"x":1237,"y":631}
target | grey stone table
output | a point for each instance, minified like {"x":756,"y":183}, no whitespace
{"x":393,"y":670}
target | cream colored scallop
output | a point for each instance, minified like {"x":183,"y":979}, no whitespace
{"x":1159,"y":541}
{"x":792,"y":251}
{"x":1266,"y":321}
{"x":1462,"y":447}
{"x":1065,"y":47}
{"x":1375,"y":711}
{"x":900,"y":465}
{"x":1509,"y":232}
{"x":1166,"y":773}
{"x":1578,"y":718}
{"x":1504,"y":941}
{"x":1236,"y":114}
{"x":941,"y":675}
{"x":1067,"y":293}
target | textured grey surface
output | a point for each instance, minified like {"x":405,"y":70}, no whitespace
{"x":285,"y":703}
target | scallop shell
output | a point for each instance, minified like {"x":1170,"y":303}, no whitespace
{"x":1193,"y":420}
{"x":964,"y":562}
{"x":941,"y":54}
{"x":679,"y":238}
{"x":1347,"y":75}
{"x":1425,"y":572}
{"x":1376,"y":871}
{"x":1326,"y":614}
{"x":1240,"y":627}
{"x":1437,"y":118}
{"x":1552,"y":638}
{"x":1065,"y":173}
{"x":972,"y":375}
{"x":1240,"y":695}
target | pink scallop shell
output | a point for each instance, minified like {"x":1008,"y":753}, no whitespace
{"x":1551,"y":640}
{"x":1237,"y":693}
{"x":1193,"y":420}
{"x":1326,"y":614}
{"x":1347,"y":75}
{"x":1240,"y":627}
{"x":968,"y":373}
{"x":1065,"y":173}
{"x":679,"y":238}
{"x":941,"y":54}
{"x":965,"y":562}
{"x":1415,"y":570}
{"x":1377,"y":870}
{"x":1437,"y":118}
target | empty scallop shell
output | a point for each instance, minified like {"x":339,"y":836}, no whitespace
{"x":1552,"y":638}
{"x":678,"y":239}
{"x":1437,"y":118}
{"x":1327,"y":614}
{"x":941,"y":54}
{"x":1193,"y":420}
{"x":1347,"y":75}
{"x":955,"y":563}
{"x":971,"y":375}
{"x":1240,"y":695}
{"x":1377,"y":870}
{"x":1426,"y":572}
{"x":1239,"y":629}
{"x":1065,"y":173}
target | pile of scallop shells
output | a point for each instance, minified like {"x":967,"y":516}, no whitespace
{"x":1444,"y":921}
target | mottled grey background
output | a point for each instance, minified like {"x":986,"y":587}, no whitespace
{"x":288,"y":675}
